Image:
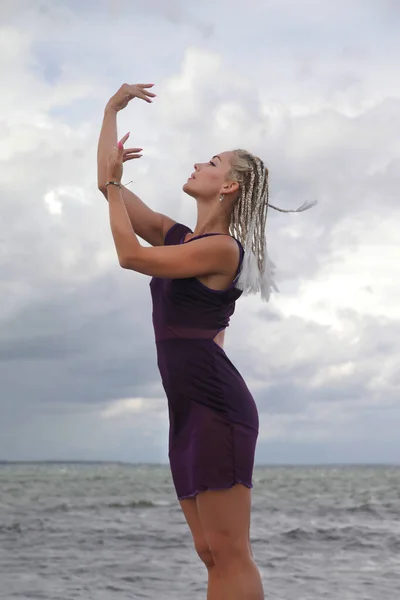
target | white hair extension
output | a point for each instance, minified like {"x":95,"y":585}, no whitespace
{"x":248,"y":223}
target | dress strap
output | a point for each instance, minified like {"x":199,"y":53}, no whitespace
{"x":241,"y":255}
{"x":175,"y":234}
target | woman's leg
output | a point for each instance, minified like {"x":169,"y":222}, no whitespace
{"x":225,"y":522}
{"x":189,"y":508}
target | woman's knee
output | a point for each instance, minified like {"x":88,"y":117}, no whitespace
{"x":204,"y":552}
{"x":226,"y":551}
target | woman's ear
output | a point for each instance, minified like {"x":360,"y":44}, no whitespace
{"x":230,"y":187}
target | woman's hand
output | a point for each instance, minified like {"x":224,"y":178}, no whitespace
{"x":118,"y":156}
{"x":127,"y":92}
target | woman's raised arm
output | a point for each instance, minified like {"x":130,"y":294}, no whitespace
{"x":151,"y":226}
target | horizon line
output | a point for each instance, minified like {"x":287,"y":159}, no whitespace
{"x":159,"y":464}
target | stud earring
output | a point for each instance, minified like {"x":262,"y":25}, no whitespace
{"x":221,"y":197}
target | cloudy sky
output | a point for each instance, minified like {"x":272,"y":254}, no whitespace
{"x":313,"y":87}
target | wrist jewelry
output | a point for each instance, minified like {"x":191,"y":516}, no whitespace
{"x":117,"y":183}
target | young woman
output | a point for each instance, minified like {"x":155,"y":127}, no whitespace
{"x":197,"y":276}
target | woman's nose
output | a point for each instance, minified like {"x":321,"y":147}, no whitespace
{"x":196,"y":166}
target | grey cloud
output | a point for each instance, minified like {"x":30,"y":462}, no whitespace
{"x":38,"y":348}
{"x":284,"y":371}
{"x":285,"y":397}
{"x":327,"y":452}
{"x":99,"y":357}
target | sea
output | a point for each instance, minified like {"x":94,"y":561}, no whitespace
{"x":79,"y":531}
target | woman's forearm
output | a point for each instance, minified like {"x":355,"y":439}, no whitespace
{"x":107,"y":139}
{"x":148,"y":224}
{"x":125,"y":240}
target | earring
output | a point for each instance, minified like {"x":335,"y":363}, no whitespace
{"x":221,"y":197}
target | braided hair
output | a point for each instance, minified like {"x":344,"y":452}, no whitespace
{"x":248,"y":222}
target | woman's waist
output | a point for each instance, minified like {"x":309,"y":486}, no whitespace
{"x":196,"y":360}
{"x":190,"y":345}
{"x":165,"y":333}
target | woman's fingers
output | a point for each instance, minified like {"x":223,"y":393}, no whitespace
{"x":131,"y":157}
{"x":132,"y":150}
{"x":130,"y":154}
{"x":147,"y":92}
{"x":143,"y":96}
{"x":123,"y":139}
{"x":127,"y":92}
{"x":140,"y":90}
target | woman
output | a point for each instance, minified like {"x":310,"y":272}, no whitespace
{"x":197,"y":276}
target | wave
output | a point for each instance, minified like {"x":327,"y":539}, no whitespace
{"x":365,"y":508}
{"x":12,"y":527}
{"x":69,"y":507}
{"x":134,"y":504}
{"x":349,"y":534}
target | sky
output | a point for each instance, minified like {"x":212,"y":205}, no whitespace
{"x":311,"y":87}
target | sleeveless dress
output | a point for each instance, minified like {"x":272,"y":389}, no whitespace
{"x":213,"y":417}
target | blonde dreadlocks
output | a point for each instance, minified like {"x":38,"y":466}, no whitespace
{"x":248,"y":222}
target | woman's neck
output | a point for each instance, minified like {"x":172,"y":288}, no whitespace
{"x":211,"y":219}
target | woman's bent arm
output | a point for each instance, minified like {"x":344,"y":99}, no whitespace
{"x":207,"y":256}
{"x":151,"y":226}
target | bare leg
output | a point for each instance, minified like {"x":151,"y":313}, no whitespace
{"x":215,"y":582}
{"x":225,"y":521}
{"x":215,"y":587}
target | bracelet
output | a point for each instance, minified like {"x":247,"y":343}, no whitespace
{"x":117,"y":183}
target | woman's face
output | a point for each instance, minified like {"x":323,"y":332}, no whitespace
{"x":209,"y":179}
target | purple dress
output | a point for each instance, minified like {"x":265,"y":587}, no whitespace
{"x":213,"y":416}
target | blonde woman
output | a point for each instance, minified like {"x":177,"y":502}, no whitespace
{"x":197,"y":276}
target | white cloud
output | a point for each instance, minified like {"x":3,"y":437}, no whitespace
{"x":123,"y":407}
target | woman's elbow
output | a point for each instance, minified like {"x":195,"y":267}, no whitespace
{"x":132,"y":259}
{"x":102,"y":188}
{"x":128,"y":262}
{"x":124,"y":262}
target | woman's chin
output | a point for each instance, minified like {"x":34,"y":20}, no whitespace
{"x":187,"y":188}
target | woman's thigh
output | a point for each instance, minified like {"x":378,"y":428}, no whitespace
{"x":225,"y":519}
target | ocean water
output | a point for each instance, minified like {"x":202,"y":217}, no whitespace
{"x":116,"y":532}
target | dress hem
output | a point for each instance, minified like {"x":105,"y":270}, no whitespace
{"x":209,"y":489}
